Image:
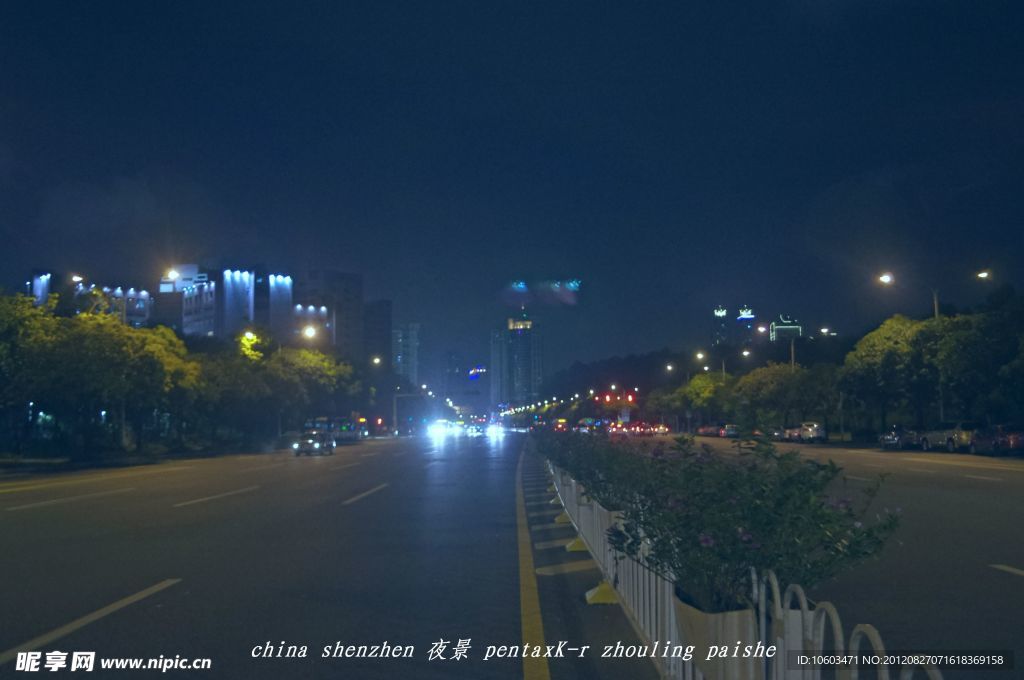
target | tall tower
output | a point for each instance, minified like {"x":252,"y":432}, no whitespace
{"x":517,"y":362}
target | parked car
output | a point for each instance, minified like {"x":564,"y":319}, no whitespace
{"x":729,"y":430}
{"x":314,"y":442}
{"x":710,"y":430}
{"x":791,"y":434}
{"x":997,"y":439}
{"x":813,"y":432}
{"x":949,"y":436}
{"x":899,"y":438}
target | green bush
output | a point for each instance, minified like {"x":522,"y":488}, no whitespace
{"x":703,"y":519}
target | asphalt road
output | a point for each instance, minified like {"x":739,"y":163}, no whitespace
{"x":404,"y":542}
{"x":952,"y":577}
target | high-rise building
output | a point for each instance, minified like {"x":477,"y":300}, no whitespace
{"x":342,"y":295}
{"x":405,"y":352}
{"x":272,"y":305}
{"x":517,"y":368}
{"x":720,"y":330}
{"x":236,"y":297}
{"x":377,"y":333}
{"x":186,"y":301}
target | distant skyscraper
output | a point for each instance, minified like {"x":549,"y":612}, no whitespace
{"x":236,"y":296}
{"x":405,"y":352}
{"x":720,"y":330}
{"x":377,"y":332}
{"x":517,"y":368}
{"x":342,"y":295}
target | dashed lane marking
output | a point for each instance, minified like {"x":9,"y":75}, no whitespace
{"x":216,"y":496}
{"x":57,"y":633}
{"x":69,"y":499}
{"x":987,"y":479}
{"x":1008,"y":569}
{"x":364,"y":494}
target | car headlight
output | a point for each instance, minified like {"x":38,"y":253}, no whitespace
{"x":316,"y":445}
{"x":295,"y":445}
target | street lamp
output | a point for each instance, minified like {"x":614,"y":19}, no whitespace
{"x":309,"y":332}
{"x":669,"y":367}
{"x":172,"y":275}
{"x":746,"y":352}
{"x":886,"y":278}
{"x":700,"y":355}
{"x":376,"y":361}
{"x":76,"y":278}
{"x":249,"y":335}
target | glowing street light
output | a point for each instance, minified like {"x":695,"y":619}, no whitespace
{"x":173,"y":275}
{"x":376,"y":361}
{"x":762,"y":329}
{"x":886,"y":278}
{"x":824,"y":331}
{"x":707,"y":368}
{"x":76,"y":278}
{"x":669,"y":367}
{"x":249,"y":335}
{"x":309,"y":332}
{"x":746,"y":352}
{"x":423,"y":386}
{"x":984,"y":274}
{"x":700,"y":355}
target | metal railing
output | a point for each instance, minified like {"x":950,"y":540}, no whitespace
{"x":785,"y":618}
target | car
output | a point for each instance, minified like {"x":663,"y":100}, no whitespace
{"x":899,"y":438}
{"x":314,"y":442}
{"x":997,"y":439}
{"x":710,"y":430}
{"x":791,"y":434}
{"x":950,"y":436}
{"x":813,"y":432}
{"x":729,"y":430}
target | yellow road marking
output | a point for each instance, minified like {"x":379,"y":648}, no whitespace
{"x":548,"y":545}
{"x":1008,"y":569}
{"x":529,"y":598}
{"x":45,"y":639}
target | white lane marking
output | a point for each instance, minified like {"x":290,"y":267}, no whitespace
{"x":987,"y":479}
{"x":32,"y":485}
{"x":369,"y":453}
{"x":364,"y":494}
{"x":859,"y":479}
{"x":1008,"y":468}
{"x":57,"y":633}
{"x":1008,"y":569}
{"x":70,"y":499}
{"x":216,"y":496}
{"x":346,"y":465}
{"x":262,"y":467}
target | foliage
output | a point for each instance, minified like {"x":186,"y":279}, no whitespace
{"x":703,"y":520}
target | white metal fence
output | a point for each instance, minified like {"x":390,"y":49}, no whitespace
{"x":784,"y":618}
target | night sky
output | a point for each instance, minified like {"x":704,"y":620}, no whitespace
{"x":671,"y":156}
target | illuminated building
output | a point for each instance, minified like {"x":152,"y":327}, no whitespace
{"x":720,"y":334}
{"x":272,"y":305}
{"x":405,"y":352}
{"x":517,"y":367}
{"x":341,"y":294}
{"x":186,"y":301}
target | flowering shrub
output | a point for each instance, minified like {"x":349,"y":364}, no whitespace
{"x":703,"y":519}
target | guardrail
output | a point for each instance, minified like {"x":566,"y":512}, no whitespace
{"x":650,"y":602}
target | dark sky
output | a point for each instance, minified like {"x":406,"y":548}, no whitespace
{"x":670,"y":155}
